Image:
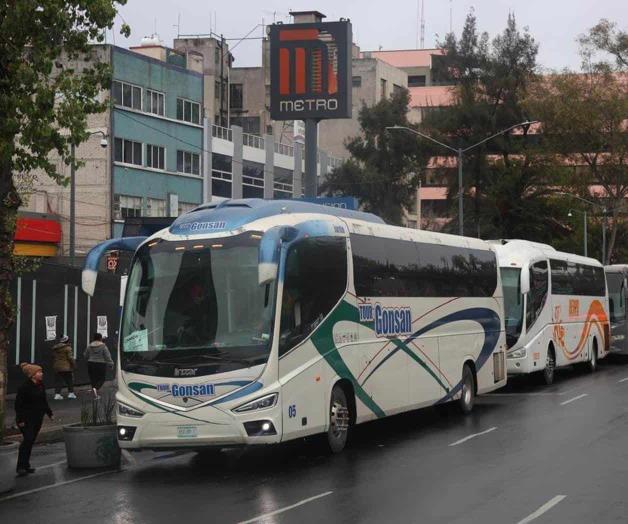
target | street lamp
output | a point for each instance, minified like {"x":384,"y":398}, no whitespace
{"x":103,"y":143}
{"x":586,"y":239}
{"x":590,"y":202}
{"x":460,"y":151}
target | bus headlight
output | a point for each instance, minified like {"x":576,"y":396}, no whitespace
{"x":128,"y":411}
{"x":518,"y":353}
{"x":267,"y":401}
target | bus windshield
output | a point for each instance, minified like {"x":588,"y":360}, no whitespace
{"x":196,"y":303}
{"x":615,"y":283}
{"x":513,"y":303}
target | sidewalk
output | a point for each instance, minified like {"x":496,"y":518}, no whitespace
{"x":65,"y":412}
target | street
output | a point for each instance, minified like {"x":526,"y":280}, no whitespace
{"x":555,"y":453}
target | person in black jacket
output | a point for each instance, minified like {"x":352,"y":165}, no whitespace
{"x":31,"y":405}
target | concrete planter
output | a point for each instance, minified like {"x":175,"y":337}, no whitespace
{"x":8,"y":463}
{"x":91,"y":446}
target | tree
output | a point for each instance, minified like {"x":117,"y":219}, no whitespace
{"x":384,"y":166}
{"x":43,"y":109}
{"x":584,"y":124}
{"x":502,"y":177}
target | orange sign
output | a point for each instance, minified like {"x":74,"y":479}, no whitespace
{"x":574,"y":308}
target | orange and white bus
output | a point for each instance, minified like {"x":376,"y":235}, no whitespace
{"x":556,"y":308}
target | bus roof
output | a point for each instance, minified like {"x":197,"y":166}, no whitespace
{"x":516,"y":253}
{"x":616,"y":268}
{"x":231,"y":214}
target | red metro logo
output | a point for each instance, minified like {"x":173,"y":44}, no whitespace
{"x":310,"y":71}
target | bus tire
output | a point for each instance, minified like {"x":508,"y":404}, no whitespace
{"x":467,"y":393}
{"x":591,"y":365}
{"x":550,"y":367}
{"x":339,"y":420}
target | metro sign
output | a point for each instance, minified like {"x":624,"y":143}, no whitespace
{"x":310,"y":70}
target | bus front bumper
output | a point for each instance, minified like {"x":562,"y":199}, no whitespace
{"x":520,"y":366}
{"x":167,"y":430}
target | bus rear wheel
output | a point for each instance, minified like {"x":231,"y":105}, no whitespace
{"x":467,"y":393}
{"x":339,"y":419}
{"x":550,"y":368}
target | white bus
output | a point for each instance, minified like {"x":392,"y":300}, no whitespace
{"x":257,"y":322}
{"x":617,"y":283}
{"x":556,"y":308}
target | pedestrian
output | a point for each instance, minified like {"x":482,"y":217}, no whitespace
{"x":98,"y":358}
{"x":30,"y":407}
{"x":63,"y":364}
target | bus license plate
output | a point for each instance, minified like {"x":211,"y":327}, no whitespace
{"x":187,"y":431}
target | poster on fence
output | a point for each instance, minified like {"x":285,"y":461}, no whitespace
{"x":102,"y":325}
{"x":51,"y":328}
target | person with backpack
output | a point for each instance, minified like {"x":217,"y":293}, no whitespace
{"x":31,"y":405}
{"x":98,"y":358}
{"x":63,"y":364}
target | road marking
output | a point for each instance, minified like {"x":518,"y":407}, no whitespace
{"x":543,"y":509}
{"x":56,"y":485}
{"x":472,"y":436}
{"x":287,"y":508}
{"x":572,"y":399}
{"x":622,"y":380}
{"x":51,"y":465}
{"x":523,"y":394}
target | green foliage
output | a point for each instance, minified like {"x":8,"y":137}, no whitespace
{"x":605,"y":38}
{"x":383,"y":170}
{"x":49,"y":84}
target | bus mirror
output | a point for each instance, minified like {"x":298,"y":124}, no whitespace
{"x":266,"y":272}
{"x":268,"y":260}
{"x":525,"y":282}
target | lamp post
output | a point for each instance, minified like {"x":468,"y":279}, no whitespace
{"x":460,"y":151}
{"x":586,"y":239}
{"x":590,"y":202}
{"x":103,"y":144}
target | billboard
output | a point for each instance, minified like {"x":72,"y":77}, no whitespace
{"x":310,"y":68}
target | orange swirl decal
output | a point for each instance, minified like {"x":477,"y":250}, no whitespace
{"x":596,"y":317}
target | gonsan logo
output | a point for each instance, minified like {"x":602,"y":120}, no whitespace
{"x":186,"y":372}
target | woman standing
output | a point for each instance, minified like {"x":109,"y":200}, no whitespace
{"x":30,"y":407}
{"x":63,"y":364}
{"x":98,"y":358}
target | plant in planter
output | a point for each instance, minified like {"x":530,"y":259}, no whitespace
{"x":93,"y":442}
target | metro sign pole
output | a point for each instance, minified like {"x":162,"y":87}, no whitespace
{"x":310,"y":78}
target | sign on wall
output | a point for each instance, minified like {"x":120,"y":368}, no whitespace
{"x":51,"y":328}
{"x":310,"y":67}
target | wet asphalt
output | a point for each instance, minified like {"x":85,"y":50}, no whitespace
{"x":559,"y":452}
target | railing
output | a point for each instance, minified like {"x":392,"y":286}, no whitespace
{"x":284,"y":149}
{"x":253,"y":141}
{"x":222,"y":132}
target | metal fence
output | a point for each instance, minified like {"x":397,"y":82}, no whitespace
{"x":50,"y":303}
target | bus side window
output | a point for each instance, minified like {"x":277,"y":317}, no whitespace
{"x":315,"y":279}
{"x":537,"y":293}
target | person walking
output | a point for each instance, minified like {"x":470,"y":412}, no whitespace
{"x":31,"y":405}
{"x":63,"y":364}
{"x":98,"y":358}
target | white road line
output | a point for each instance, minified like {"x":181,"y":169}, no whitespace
{"x":287,"y":508}
{"x":56,"y":485}
{"x":543,"y":509}
{"x":51,"y":465}
{"x":622,"y":380}
{"x":572,"y":399}
{"x":522,"y":394}
{"x":472,"y":436}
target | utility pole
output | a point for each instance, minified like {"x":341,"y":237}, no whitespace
{"x":222,"y":80}
{"x":311,"y":152}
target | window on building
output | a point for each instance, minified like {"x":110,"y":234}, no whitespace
{"x":356,"y":81}
{"x":126,"y":206}
{"x":384,"y":87}
{"x":249,"y":124}
{"x":127,"y":95}
{"x":156,"y":207}
{"x":127,"y":151}
{"x":217,"y":90}
{"x":188,"y":162}
{"x":416,"y":80}
{"x":155,"y":102}
{"x":217,"y":55}
{"x":223,"y":163}
{"x":188,"y":111}
{"x":236,"y":96}
{"x":155,"y":156}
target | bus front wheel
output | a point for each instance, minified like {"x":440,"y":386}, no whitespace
{"x":550,"y":367}
{"x":467,"y":393}
{"x":339,"y":418}
{"x":591,"y":366}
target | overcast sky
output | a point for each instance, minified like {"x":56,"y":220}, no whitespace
{"x":392,"y":24}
